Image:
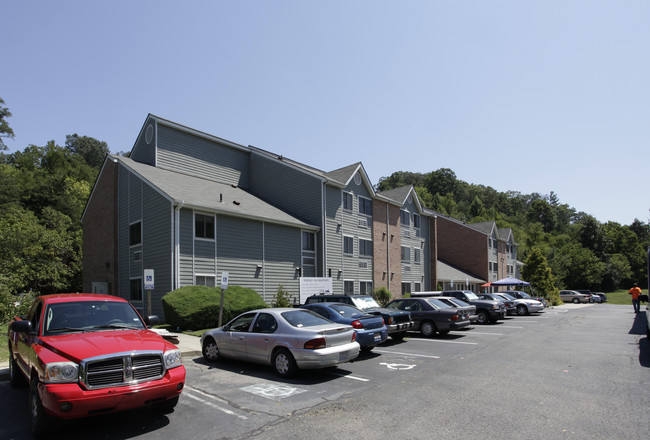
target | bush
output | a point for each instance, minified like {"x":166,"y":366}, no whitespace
{"x":197,"y":307}
{"x":382,"y":295}
{"x":12,"y":305}
{"x":282,"y":298}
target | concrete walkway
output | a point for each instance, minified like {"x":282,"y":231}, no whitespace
{"x":190,"y":346}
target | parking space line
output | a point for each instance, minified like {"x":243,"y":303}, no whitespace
{"x":448,"y":342}
{"x":408,"y":354}
{"x":509,"y":326}
{"x":347,"y":376}
{"x":207,"y":402}
{"x":491,"y":334}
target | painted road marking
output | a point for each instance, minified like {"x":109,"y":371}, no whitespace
{"x":187,"y":393}
{"x":347,"y":376}
{"x":448,"y":342}
{"x":408,"y":354}
{"x":491,"y":334}
{"x":272,"y":391}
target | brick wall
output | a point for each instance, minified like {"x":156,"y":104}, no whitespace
{"x":463,"y":247}
{"x":386,"y":247}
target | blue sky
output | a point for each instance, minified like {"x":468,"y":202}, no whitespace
{"x":528,"y":96}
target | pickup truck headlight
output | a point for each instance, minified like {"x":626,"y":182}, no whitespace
{"x":61,"y":372}
{"x":173,"y":359}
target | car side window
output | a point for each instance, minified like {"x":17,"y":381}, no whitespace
{"x":35,"y":316}
{"x":416,"y":306}
{"x":265,"y":323}
{"x":321,"y":311}
{"x":243,"y":323}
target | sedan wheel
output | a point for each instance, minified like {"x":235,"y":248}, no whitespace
{"x":522,"y":310}
{"x":284,"y":363}
{"x":576,"y":301}
{"x":427,"y":329}
{"x":210,"y":350}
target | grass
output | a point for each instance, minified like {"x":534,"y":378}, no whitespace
{"x":620,"y":297}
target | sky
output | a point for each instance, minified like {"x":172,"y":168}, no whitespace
{"x":527,"y":96}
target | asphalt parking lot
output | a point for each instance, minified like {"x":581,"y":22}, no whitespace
{"x":578,"y":371}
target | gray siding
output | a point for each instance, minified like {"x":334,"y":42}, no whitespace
{"x":142,"y":151}
{"x":196,"y":156}
{"x":415,"y":238}
{"x":239,"y":251}
{"x":282,"y":249}
{"x":186,"y":248}
{"x":293,"y":191}
{"x":334,"y":237}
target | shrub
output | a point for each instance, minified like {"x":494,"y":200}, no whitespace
{"x":282,"y":298}
{"x":12,"y":305}
{"x":382,"y":295}
{"x":197,"y":307}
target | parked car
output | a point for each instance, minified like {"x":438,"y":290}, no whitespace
{"x":573,"y":296}
{"x":524,"y":306}
{"x":287,"y":339}
{"x":603,"y":297}
{"x":432,"y":315}
{"x":593,"y":298}
{"x":397,"y":322}
{"x":523,"y":295}
{"x":488,"y":310}
{"x":509,"y":303}
{"x":87,"y":353}
{"x":462,"y":305}
{"x":370,"y":329}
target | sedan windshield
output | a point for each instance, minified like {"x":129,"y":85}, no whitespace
{"x":304,"y":318}
{"x":88,"y":316}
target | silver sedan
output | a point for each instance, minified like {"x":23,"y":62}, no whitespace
{"x":287,"y":339}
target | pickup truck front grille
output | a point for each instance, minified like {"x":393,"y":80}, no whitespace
{"x":122,"y":369}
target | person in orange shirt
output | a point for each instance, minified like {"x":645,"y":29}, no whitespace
{"x":635,"y":292}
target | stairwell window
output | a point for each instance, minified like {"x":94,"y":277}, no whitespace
{"x":405,"y":218}
{"x":348,"y":245}
{"x":135,"y":234}
{"x":365,"y":206}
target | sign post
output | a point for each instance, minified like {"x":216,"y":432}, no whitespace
{"x":224,"y":286}
{"x":148,"y":286}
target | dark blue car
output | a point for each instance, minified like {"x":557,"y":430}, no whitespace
{"x":370,"y":329}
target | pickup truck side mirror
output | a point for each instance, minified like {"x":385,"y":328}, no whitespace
{"x":21,"y":327}
{"x":151,"y":320}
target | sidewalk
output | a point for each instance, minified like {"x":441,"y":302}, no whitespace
{"x":190,"y":347}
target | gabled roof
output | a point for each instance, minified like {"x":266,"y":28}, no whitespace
{"x":399,"y":196}
{"x":208,"y":195}
{"x":447,"y":272}
{"x":485,"y":227}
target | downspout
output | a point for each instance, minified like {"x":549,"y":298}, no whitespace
{"x":387,"y":248}
{"x":177,"y":244}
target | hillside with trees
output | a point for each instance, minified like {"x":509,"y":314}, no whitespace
{"x":580,"y":251}
{"x":44,"y":189}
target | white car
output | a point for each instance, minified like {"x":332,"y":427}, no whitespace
{"x":285,"y":338}
{"x":524,"y":306}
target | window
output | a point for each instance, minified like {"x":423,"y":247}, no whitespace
{"x":348,"y":287}
{"x":135,"y":287}
{"x":365,"y":248}
{"x":416,"y":221}
{"x":406,"y":288}
{"x":204,"y":226}
{"x":135,"y":234}
{"x":347,"y":201}
{"x":308,"y":249}
{"x":406,"y":254}
{"x":418,"y":287}
{"x":365,"y":206}
{"x":348,"y":245}
{"x":365,"y":287}
{"x":205,"y":280}
{"x":404,"y":218}
{"x":416,"y":255}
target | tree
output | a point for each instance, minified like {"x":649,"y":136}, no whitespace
{"x":538,"y":273}
{"x":540,"y":211}
{"x":442,"y":181}
{"x":92,"y":150}
{"x":5,"y":129}
{"x":476,"y":209}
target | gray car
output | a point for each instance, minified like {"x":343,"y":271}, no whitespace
{"x":287,"y":339}
{"x":573,"y":296}
{"x":431,"y":315}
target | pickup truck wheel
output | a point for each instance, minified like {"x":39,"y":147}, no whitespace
{"x":16,"y":378}
{"x":427,"y":329}
{"x":283,"y":363}
{"x":40,"y":421}
{"x":522,"y":310}
{"x":482,"y":317}
{"x":210,"y":350}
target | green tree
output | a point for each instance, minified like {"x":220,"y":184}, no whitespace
{"x":538,"y":273}
{"x":442,"y":181}
{"x":476,"y":209}
{"x":92,"y":150}
{"x":5,"y":129}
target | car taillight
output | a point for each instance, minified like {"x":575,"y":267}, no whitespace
{"x":356,"y":324}
{"x":455,"y":318}
{"x":315,"y":344}
{"x":354,"y":336}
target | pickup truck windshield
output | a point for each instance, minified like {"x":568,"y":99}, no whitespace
{"x":365,"y":303}
{"x":90,"y":316}
{"x":471,"y":295}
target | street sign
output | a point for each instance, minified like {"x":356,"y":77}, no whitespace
{"x":148,"y":279}
{"x":224,"y":280}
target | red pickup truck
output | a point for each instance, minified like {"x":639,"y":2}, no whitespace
{"x":86,"y":354}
